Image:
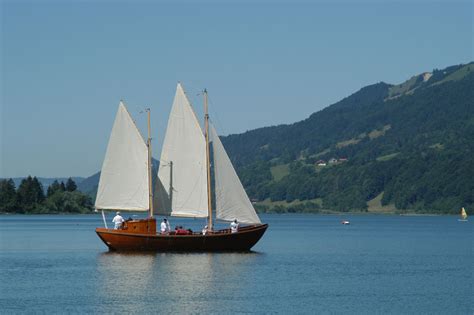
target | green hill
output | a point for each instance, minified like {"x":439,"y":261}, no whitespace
{"x":411,"y":145}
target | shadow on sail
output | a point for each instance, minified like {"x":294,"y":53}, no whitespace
{"x":161,"y":198}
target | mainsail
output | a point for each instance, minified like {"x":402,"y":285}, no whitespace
{"x":232,"y":201}
{"x":182,"y":186}
{"x":123,"y":183}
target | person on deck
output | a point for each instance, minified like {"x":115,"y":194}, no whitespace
{"x":181,"y":231}
{"x":204,"y":230}
{"x":234,"y":226}
{"x":118,"y":221}
{"x":165,"y":226}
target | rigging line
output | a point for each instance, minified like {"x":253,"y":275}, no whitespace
{"x":192,"y":88}
{"x":140,"y":109}
{"x":216,"y":122}
{"x":191,"y":92}
{"x":168,"y":163}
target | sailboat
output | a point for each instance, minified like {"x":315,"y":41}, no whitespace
{"x":463,"y":215}
{"x":181,"y":187}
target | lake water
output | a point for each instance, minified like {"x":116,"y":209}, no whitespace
{"x":303,"y":264}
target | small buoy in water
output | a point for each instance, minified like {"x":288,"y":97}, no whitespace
{"x":345,"y":222}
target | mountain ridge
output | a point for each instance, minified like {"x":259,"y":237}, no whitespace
{"x":368,"y":95}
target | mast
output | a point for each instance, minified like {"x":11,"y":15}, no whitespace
{"x":208,"y":163}
{"x":171,"y":185}
{"x":150,"y":179}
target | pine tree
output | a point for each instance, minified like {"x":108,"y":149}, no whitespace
{"x":62,"y":186}
{"x":70,"y":185}
{"x":30,"y":194}
{"x":53,"y":188}
{"x":38,"y":190}
{"x":8,"y":199}
{"x":25,"y":195}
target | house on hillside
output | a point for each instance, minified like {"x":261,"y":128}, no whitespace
{"x":341,"y":160}
{"x":332,"y":161}
{"x":321,"y":163}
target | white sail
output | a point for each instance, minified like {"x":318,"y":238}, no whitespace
{"x":232,"y":201}
{"x":182,"y":171}
{"x":123,"y":183}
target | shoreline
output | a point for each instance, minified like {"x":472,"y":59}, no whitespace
{"x":356,"y":213}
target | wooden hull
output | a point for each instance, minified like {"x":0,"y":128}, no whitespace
{"x":219,"y":241}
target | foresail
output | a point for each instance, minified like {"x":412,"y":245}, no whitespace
{"x":182,"y":173}
{"x":232,"y":201}
{"x":123,"y":183}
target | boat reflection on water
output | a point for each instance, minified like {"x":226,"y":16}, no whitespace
{"x":124,"y":279}
{"x":129,"y":281}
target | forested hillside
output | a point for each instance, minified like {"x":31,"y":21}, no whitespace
{"x":407,"y":147}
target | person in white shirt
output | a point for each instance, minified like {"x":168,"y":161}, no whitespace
{"x":165,"y":226}
{"x":234,"y":226}
{"x":118,"y":221}
{"x":204,"y":230}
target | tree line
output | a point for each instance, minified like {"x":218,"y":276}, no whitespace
{"x":30,"y":197}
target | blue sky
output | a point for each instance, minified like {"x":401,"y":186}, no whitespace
{"x":65,"y":66}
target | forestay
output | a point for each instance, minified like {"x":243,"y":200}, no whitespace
{"x":232,"y":201}
{"x":123,"y":183}
{"x":182,"y":174}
